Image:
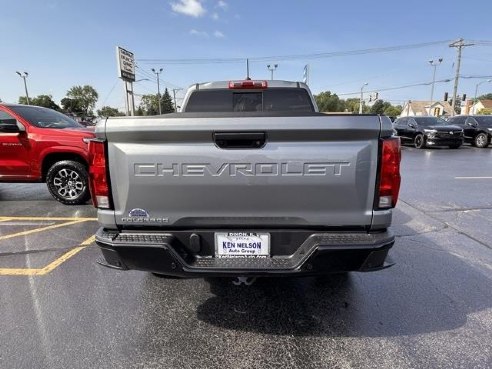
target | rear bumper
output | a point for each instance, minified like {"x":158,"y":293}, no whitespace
{"x":190,"y":253}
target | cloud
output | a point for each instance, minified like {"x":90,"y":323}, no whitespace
{"x":222,"y":4}
{"x":219,"y":34}
{"x":194,"y":32}
{"x":193,"y":8}
{"x":215,"y":16}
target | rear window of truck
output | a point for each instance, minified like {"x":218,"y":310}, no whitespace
{"x":272,"y":99}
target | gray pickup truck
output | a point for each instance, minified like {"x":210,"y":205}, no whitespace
{"x":248,"y":180}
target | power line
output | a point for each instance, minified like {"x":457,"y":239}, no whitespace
{"x":482,"y":42}
{"x":292,"y":57}
{"x":109,"y":94}
{"x":147,"y":74}
{"x":395,"y":88}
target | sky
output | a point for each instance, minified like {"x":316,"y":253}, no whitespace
{"x":63,"y":43}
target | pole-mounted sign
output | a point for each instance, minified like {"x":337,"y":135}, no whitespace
{"x":126,"y":64}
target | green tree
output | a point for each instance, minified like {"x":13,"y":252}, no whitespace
{"x":46,"y":101}
{"x":149,"y":105}
{"x":378,"y":107}
{"x":167,"y":105}
{"x":328,"y":102}
{"x":393,"y":111}
{"x":72,"y":106}
{"x":352,"y":105}
{"x":85,"y":98}
{"x":108,"y":111}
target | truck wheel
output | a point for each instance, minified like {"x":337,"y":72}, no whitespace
{"x":67,"y":182}
{"x":419,"y":141}
{"x":481,"y":140}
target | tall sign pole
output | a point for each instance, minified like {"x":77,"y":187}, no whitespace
{"x":126,"y":72}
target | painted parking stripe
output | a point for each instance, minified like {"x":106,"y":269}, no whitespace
{"x":51,"y":266}
{"x":25,"y":223}
{"x":45,"y":218}
{"x":472,"y":177}
{"x":25,"y":233}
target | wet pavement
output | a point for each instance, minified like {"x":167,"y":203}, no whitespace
{"x":432,"y":309}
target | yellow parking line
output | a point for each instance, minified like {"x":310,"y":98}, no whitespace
{"x":24,"y":233}
{"x":89,"y":241}
{"x":4,"y":218}
{"x":48,"y":268}
{"x":51,"y":266}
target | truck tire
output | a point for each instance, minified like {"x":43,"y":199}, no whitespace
{"x":67,"y":182}
{"x":419,"y":141}
{"x":481,"y":140}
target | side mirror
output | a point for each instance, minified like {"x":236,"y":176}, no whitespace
{"x":412,"y":125}
{"x":11,"y":126}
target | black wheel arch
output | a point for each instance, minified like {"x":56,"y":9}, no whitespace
{"x":53,"y":158}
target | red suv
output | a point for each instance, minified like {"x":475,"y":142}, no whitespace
{"x":43,"y":145}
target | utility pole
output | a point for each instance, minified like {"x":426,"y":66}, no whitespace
{"x":362,"y":97}
{"x":174,"y":95}
{"x":459,"y":45}
{"x":434,"y":63}
{"x":272,"y":69}
{"x":158,"y":88}
{"x":24,"y":76}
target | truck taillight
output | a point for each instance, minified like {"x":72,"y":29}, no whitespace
{"x":98,"y":179}
{"x":248,"y":84}
{"x":389,"y":175}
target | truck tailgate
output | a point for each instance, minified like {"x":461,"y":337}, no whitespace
{"x":313,"y":170}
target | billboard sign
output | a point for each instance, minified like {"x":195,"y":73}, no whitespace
{"x":126,"y":64}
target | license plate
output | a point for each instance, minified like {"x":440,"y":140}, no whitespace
{"x":242,"y":244}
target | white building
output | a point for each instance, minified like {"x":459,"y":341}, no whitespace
{"x":426,"y":109}
{"x":479,"y":105}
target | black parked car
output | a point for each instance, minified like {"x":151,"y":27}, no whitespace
{"x":428,"y":131}
{"x":477,"y":128}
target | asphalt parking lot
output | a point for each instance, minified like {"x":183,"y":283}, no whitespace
{"x":432,"y":309}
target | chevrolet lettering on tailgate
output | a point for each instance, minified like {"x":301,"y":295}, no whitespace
{"x":239,"y":169}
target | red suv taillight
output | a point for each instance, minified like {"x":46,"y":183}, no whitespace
{"x":389,"y":175}
{"x":98,"y":180}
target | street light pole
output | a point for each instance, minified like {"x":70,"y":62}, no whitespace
{"x":271,"y":69}
{"x":476,"y":92}
{"x":158,"y":88}
{"x":174,"y":95}
{"x":362,"y":97}
{"x":24,"y":76}
{"x":434,"y":63}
